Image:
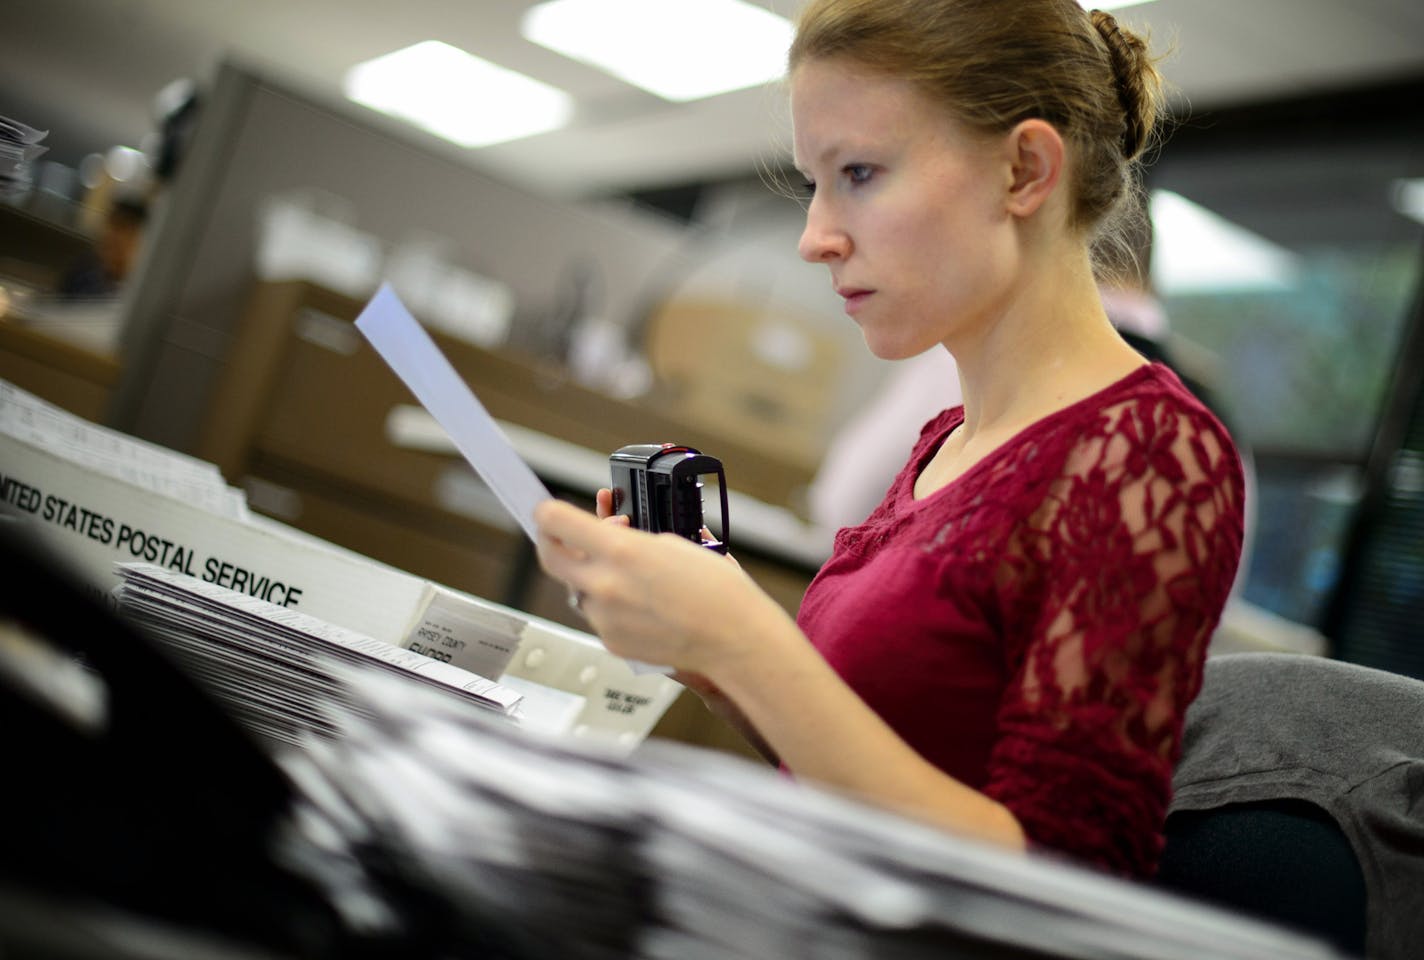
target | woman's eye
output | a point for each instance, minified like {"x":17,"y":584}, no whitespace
{"x":858,"y":172}
{"x":808,"y":188}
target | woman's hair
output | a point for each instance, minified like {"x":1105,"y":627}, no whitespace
{"x":993,"y":63}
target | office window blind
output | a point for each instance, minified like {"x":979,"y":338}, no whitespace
{"x":1379,"y":618}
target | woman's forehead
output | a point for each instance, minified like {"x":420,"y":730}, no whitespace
{"x":835,"y":104}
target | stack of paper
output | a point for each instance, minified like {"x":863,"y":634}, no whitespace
{"x":148,"y":466}
{"x":563,"y":851}
{"x":19,"y":146}
{"x":97,"y":497}
{"x":272,"y":667}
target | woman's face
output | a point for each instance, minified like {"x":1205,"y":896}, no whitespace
{"x":907,"y":209}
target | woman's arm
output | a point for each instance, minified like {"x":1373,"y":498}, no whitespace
{"x":663,"y":599}
{"x":824,"y":732}
{"x":720,"y":705}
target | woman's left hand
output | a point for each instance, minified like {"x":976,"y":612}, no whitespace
{"x":657,"y":598}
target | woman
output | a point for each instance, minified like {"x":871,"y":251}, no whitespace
{"x":1007,"y":645}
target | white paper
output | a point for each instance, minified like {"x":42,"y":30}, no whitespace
{"x":418,"y":361}
{"x":280,"y":643}
{"x":415,"y":358}
{"x":33,"y":421}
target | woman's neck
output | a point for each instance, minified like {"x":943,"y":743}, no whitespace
{"x":1051,"y":345}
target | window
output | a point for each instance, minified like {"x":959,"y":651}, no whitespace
{"x":1303,"y":310}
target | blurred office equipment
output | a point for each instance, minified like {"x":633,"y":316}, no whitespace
{"x":311,"y":234}
{"x":1316,"y":329}
{"x":370,"y":197}
{"x":114,"y":827}
{"x":20,"y":146}
{"x":748,"y":371}
{"x":678,"y":853}
{"x":303,"y":403}
{"x":103,"y":499}
{"x":66,"y":354}
{"x":34,"y":251}
{"x":265,"y":377}
{"x":260,"y":140}
{"x":269,"y":665}
{"x":1379,"y":604}
{"x":420,"y":830}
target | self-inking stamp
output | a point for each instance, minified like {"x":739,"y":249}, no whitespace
{"x":658,"y":487}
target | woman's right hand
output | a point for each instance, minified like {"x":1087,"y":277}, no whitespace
{"x":603,"y":506}
{"x":717,"y":702}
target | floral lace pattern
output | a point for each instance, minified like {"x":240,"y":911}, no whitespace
{"x":1070,"y":582}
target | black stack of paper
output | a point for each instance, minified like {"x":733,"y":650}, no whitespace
{"x":680,"y":853}
{"x":272,"y":667}
{"x":19,"y":146}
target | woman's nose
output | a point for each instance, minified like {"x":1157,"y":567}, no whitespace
{"x":821,"y":241}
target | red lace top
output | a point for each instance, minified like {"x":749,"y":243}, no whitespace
{"x":1037,"y":627}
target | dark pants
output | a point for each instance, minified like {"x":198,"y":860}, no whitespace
{"x":1285,"y":861}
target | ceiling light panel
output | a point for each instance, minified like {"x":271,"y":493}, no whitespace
{"x":1195,"y":250}
{"x":679,"y":50}
{"x":458,"y":96}
{"x":1109,"y":4}
{"x":1407,"y":197}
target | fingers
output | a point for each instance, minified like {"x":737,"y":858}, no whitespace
{"x":571,"y":539}
{"x":603,"y":506}
{"x":572,"y":528}
{"x":558,"y":554}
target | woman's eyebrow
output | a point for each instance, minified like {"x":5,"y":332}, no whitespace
{"x":826,"y":155}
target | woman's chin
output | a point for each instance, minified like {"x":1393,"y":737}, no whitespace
{"x":890,"y":348}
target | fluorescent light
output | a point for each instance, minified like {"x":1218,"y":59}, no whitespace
{"x":125,"y":163}
{"x":678,"y":49}
{"x":1109,"y":4}
{"x":1408,"y":198}
{"x":456,"y":95}
{"x":1196,"y":251}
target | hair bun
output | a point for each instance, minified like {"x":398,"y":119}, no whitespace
{"x":1139,"y":85}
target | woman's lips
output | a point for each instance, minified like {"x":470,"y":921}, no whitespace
{"x":854,"y":298}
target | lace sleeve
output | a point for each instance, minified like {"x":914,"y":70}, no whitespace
{"x":1121,"y":576}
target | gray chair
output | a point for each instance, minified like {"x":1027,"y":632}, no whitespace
{"x":1299,"y":798}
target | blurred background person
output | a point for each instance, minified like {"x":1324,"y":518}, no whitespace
{"x":102,"y":270}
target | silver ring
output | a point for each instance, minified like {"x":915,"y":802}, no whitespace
{"x":576,"y":600}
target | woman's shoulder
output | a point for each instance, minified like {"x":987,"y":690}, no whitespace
{"x":1145,"y":425}
{"x":936,"y":427}
{"x":1150,"y":381}
{"x":1151,"y":400}
{"x":932,"y":434}
{"x":1158,"y":381}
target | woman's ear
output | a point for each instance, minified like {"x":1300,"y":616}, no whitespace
{"x":1036,"y":158}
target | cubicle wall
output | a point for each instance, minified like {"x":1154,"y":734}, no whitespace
{"x":256,"y":375}
{"x":259,"y":138}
